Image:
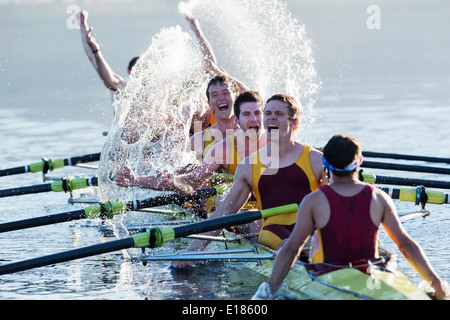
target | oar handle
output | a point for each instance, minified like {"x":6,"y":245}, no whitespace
{"x":161,"y":236}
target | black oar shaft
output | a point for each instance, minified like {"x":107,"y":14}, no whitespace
{"x":404,"y":167}
{"x":404,"y":157}
{"x":82,"y":159}
{"x":147,"y":239}
{"x":107,"y":247}
{"x":42,"y":221}
{"x":49,"y":164}
{"x":131,"y":205}
{"x":174,"y":198}
{"x":213,"y":224}
{"x":12,"y":171}
{"x":68,"y":184}
{"x":412,"y":182}
{"x":26,"y":190}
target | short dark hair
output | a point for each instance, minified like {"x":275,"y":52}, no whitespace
{"x":294,"y":107}
{"x":340,"y":151}
{"x":132,"y":63}
{"x":219,"y":80}
{"x":247,"y":96}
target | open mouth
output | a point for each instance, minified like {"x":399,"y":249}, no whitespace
{"x":271,"y":127}
{"x":254,"y":129}
{"x":223,"y":107}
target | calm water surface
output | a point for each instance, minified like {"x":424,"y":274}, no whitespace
{"x":387,"y":87}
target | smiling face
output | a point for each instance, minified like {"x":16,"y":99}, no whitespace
{"x":221,"y":100}
{"x":251,"y":119}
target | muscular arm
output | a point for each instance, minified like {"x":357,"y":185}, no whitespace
{"x":214,"y":161}
{"x":234,"y":201}
{"x":187,"y":183}
{"x":289,"y":253}
{"x":111,"y":80}
{"x":208,"y":53}
{"x":127,"y":178}
{"x":317,"y":166}
{"x":205,"y":46}
{"x":410,"y":249}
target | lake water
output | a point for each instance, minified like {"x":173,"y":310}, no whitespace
{"x":388,"y":87}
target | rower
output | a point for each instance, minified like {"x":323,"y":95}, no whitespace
{"x":221,"y":97}
{"x":116,"y":83}
{"x":225,"y":156}
{"x":111,"y":79}
{"x":347,"y":214}
{"x":280,"y":173}
{"x":222,"y":157}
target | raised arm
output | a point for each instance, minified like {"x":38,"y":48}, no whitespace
{"x":112,"y":80}
{"x":207,"y":50}
{"x":205,"y":46}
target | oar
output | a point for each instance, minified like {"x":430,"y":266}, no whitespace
{"x":109,"y":209}
{"x":375,"y":179}
{"x":404,"y":167}
{"x":49,"y":164}
{"x":153,"y":238}
{"x":404,"y":157}
{"x":412,"y":195}
{"x":67,"y":184}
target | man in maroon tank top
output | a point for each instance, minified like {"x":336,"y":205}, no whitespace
{"x":347,"y":214}
{"x":281,"y":120}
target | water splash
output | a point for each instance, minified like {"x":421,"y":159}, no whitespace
{"x":154,"y":112}
{"x":256,"y":41}
{"x":260,"y":43}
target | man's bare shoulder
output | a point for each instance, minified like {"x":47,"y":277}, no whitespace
{"x":381,"y":196}
{"x":316,"y":197}
{"x":316,"y":155}
{"x":244,"y":171}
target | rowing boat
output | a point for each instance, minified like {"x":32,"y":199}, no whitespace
{"x":378,"y":281}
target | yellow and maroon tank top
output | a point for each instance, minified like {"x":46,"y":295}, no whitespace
{"x":208,"y":141}
{"x":288,"y":185}
{"x":350,"y":234}
{"x":234,"y":158}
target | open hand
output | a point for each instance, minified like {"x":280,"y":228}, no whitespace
{"x":125,"y":178}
